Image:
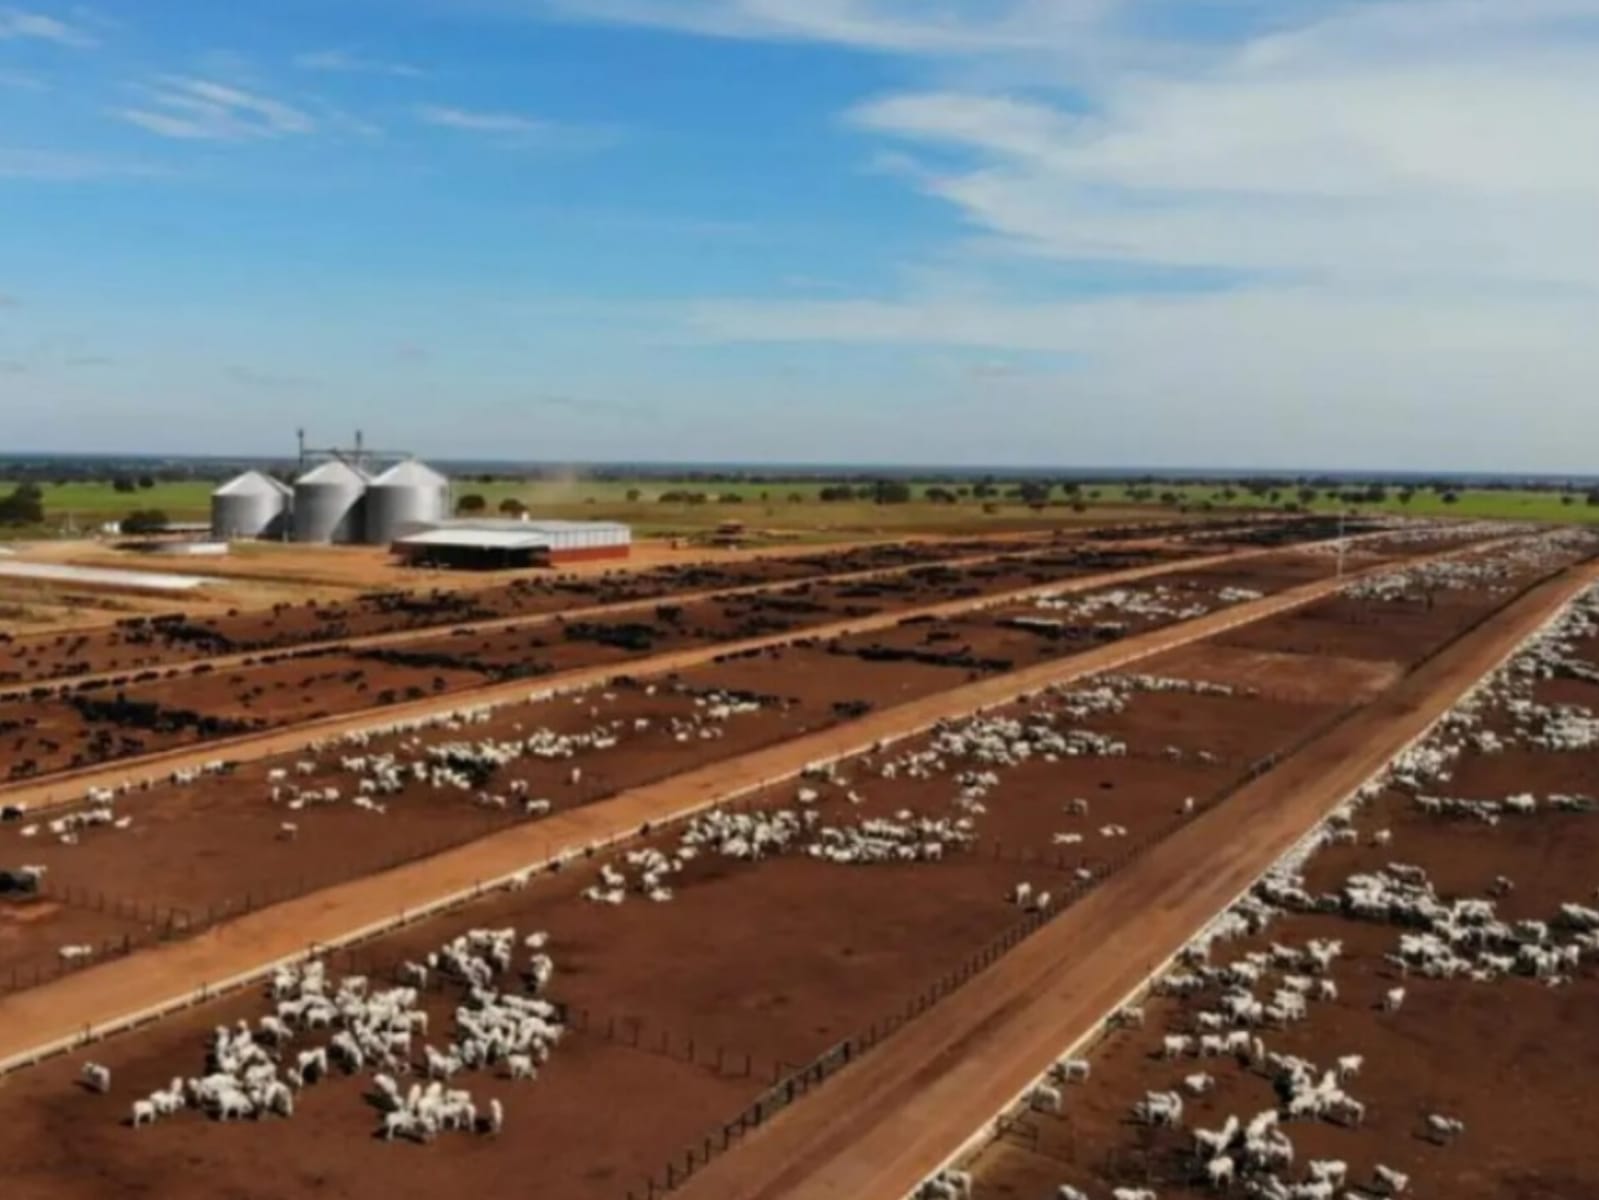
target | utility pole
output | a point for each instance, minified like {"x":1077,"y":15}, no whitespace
{"x":1342,"y":545}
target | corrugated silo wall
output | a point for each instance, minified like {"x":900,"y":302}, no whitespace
{"x":392,"y":511}
{"x":328,"y":513}
{"x":248,"y":515}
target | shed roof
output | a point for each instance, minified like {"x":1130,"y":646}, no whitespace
{"x":253,"y":483}
{"x":477,"y":539}
{"x":517,"y":525}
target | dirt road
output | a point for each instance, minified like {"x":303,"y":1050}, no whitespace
{"x":244,"y":658}
{"x":102,"y":995}
{"x":898,"y":1114}
{"x":70,"y":786}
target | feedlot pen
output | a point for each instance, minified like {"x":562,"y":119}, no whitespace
{"x":682,"y":1011}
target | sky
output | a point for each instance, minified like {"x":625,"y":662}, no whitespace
{"x":1353,"y":234}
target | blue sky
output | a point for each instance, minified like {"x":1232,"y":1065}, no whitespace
{"x":1216,"y":232}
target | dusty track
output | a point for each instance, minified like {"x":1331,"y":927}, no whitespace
{"x":69,"y":786}
{"x":222,"y":662}
{"x":104,"y":994}
{"x":900,"y":1113}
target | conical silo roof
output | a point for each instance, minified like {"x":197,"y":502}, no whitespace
{"x":253,"y":483}
{"x":334,"y":471}
{"x":411,"y":473}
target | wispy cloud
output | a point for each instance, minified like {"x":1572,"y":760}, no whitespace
{"x":1388,"y":205}
{"x":17,"y":24}
{"x":897,"y":26}
{"x":65,"y":166}
{"x":343,"y":62}
{"x":192,"y":109}
{"x":517,"y":129}
{"x":479,"y":121}
{"x":21,"y":81}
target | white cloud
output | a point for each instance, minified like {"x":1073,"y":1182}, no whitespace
{"x":518,"y":129}
{"x":199,"y":110}
{"x":61,"y":166}
{"x":1379,"y":213}
{"x":17,"y":24}
{"x":343,"y":62}
{"x":476,"y":121}
{"x":21,"y":81}
{"x":953,"y":27}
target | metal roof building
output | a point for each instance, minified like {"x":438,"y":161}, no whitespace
{"x":251,"y":505}
{"x":408,"y":496}
{"x":329,"y":503}
{"x":488,"y":544}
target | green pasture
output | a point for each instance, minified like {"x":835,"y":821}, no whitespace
{"x":792,"y":508}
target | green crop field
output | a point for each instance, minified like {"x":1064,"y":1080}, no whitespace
{"x":793,"y":509}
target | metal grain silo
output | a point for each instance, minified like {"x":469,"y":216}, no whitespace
{"x":328,"y":503}
{"x":404,"y":498}
{"x":252,"y":505}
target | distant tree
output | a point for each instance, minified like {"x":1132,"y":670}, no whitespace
{"x":891,"y":491}
{"x":835,"y":492}
{"x":1593,"y":498}
{"x":22,"y":507}
{"x":963,"y":491}
{"x":122,"y":484}
{"x":146,"y":482}
{"x":730,"y":498}
{"x":1451,"y":497}
{"x":1568,"y":499}
{"x":1170,"y":499}
{"x":1034,"y":494}
{"x":983,"y":490}
{"x":144,"y":520}
{"x":471,"y":503}
{"x":1406,"y":495}
{"x":512,"y":507}
{"x":633,"y":495}
{"x":1093,"y":493}
{"x":1306,"y":495}
{"x":796,"y":498}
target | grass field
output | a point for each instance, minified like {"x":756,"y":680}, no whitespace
{"x":792,"y":508}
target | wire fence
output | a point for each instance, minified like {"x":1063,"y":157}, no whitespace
{"x":802,"y":1080}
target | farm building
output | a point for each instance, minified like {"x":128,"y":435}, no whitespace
{"x":498,"y":544}
{"x":252,"y":505}
{"x":330,"y":503}
{"x":338,"y":500}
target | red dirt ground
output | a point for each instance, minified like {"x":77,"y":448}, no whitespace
{"x":1513,"y":1058}
{"x":782,"y":983}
